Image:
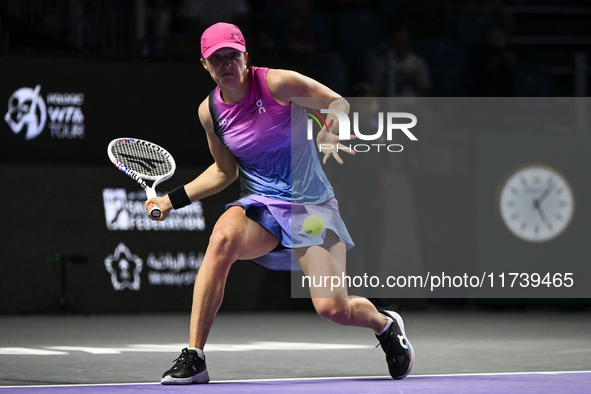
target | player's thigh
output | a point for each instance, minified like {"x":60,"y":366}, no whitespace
{"x":247,"y":238}
{"x":325,"y":265}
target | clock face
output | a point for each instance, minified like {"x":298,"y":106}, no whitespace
{"x":536,"y":203}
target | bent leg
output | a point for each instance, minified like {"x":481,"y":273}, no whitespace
{"x":234,"y":237}
{"x":329,"y":260}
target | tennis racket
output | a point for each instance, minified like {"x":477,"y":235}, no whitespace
{"x":142,"y":161}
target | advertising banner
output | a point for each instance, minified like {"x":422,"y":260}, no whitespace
{"x":76,"y":234}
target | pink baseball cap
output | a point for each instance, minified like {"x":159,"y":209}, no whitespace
{"x":221,"y":35}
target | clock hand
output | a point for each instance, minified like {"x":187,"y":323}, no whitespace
{"x":538,"y":208}
{"x":545,"y":194}
{"x":538,"y":201}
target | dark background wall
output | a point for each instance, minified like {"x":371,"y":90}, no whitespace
{"x":136,"y":63}
{"x":57,"y":211}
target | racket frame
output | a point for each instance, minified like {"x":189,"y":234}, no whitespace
{"x":140,"y":178}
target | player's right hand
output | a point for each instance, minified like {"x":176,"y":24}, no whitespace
{"x":328,"y":142}
{"x":161,"y":202}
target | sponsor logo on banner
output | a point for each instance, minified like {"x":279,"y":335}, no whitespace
{"x":124,"y":268}
{"x":167,"y":269}
{"x":164,"y":268}
{"x":26,"y":110}
{"x":127,"y":212}
{"x":60,"y":112}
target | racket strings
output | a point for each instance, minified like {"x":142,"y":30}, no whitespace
{"x":142,"y":158}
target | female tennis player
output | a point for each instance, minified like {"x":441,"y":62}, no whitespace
{"x":256,"y":137}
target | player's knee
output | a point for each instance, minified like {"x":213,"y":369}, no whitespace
{"x":334,"y":309}
{"x":224,"y":242}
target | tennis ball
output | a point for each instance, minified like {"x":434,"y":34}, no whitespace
{"x":313,"y":226}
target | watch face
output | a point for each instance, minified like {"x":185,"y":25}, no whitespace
{"x":536,"y":203}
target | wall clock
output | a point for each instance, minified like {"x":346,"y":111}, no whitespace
{"x":536,"y":203}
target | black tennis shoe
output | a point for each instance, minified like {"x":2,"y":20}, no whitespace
{"x":188,"y":368}
{"x":399,"y":352}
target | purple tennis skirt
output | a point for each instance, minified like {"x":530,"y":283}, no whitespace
{"x":284,"y":219}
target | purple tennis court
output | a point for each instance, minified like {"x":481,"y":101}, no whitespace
{"x":464,"y":133}
{"x":456,"y":352}
{"x":524,"y":383}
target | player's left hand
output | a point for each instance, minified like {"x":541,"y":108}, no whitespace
{"x":161,"y":202}
{"x":329,"y":143}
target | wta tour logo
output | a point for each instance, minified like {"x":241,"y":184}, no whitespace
{"x":28,"y":110}
{"x":377,"y":136}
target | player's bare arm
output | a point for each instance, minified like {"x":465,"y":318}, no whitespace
{"x":215,"y":178}
{"x":289,"y":86}
{"x":286,"y":85}
{"x":222,"y":172}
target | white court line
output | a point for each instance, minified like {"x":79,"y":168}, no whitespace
{"x":151,"y":348}
{"x":312,"y":379}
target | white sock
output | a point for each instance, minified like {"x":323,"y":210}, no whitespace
{"x":387,"y":325}
{"x":199,"y":352}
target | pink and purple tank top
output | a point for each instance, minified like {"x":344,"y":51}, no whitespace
{"x":269,"y":141}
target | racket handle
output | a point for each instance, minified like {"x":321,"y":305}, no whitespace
{"x":155,"y":212}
